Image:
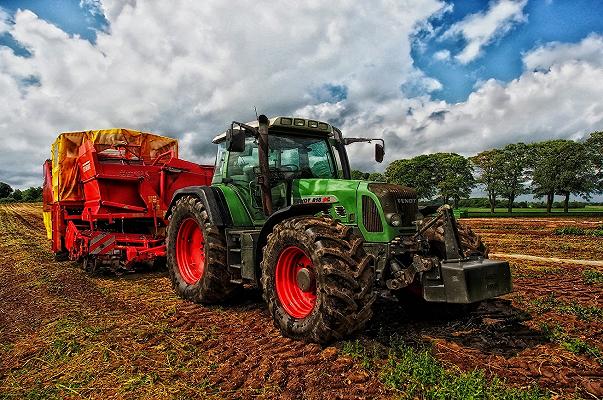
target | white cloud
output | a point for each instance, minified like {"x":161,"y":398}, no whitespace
{"x":442,"y":55}
{"x":94,"y":7}
{"x":4,"y":21}
{"x":188,"y":68}
{"x":561,"y":102}
{"x":589,"y":49}
{"x":480,"y":29}
{"x":189,"y":75}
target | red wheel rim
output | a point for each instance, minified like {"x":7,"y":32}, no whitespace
{"x":296,"y":302}
{"x":190,"y":253}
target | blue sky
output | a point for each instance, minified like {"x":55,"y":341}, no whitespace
{"x":424,"y":75}
{"x":547,"y":21}
{"x":72,"y":16}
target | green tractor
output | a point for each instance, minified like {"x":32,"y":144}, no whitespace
{"x":282,"y":214}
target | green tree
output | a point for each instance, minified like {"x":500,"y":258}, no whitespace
{"x":17,"y":195}
{"x":514,"y":164}
{"x":577,"y":173}
{"x":417,"y":173}
{"x":545,"y":171}
{"x":594,"y":145}
{"x":453,"y":176}
{"x":32,"y":194}
{"x":5,"y":190}
{"x":377,"y":177}
{"x":563,"y":167}
{"x":489,"y":174}
{"x":446,"y":175}
{"x":356,"y":174}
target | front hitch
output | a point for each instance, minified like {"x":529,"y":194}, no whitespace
{"x":461,"y":279}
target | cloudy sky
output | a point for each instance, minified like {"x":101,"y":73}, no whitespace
{"x":426,"y":75}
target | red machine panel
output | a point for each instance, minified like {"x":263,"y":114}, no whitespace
{"x":121,"y":218}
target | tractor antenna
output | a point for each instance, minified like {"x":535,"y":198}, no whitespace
{"x":256,"y":112}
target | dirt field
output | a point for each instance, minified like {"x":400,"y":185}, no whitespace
{"x":64,"y":334}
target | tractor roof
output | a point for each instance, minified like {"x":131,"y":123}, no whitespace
{"x":290,"y":124}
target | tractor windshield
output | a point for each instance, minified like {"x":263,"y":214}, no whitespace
{"x":290,"y":157}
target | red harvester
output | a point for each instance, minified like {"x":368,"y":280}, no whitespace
{"x":106,"y":194}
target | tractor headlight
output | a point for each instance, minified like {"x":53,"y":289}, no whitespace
{"x":395,"y":220}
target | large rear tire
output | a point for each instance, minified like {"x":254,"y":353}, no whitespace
{"x":317,"y":279}
{"x":196,"y":254}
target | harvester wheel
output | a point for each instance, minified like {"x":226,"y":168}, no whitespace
{"x":90,"y":265}
{"x":317,"y":279}
{"x":61,"y":256}
{"x":196,"y":254}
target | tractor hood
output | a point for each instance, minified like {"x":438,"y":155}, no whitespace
{"x":381,"y":211}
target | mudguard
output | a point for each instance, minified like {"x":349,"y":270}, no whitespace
{"x":212,"y":198}
{"x":294,"y":210}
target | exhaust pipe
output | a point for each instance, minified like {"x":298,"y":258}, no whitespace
{"x":264,"y":178}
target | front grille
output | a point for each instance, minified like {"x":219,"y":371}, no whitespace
{"x":370,"y":215}
{"x":340,"y":210}
{"x":397,"y":199}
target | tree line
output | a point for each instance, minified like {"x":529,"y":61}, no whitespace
{"x":544,"y":169}
{"x":10,"y":195}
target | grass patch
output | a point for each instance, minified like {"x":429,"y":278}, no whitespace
{"x":62,"y":349}
{"x":572,"y":344}
{"x":416,"y":373}
{"x":535,"y":272}
{"x":577,"y":231}
{"x":592,"y":276}
{"x":360,"y":353}
{"x":550,"y":302}
{"x":570,"y":230}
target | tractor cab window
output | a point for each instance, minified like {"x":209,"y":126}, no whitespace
{"x":289,"y":157}
{"x":338,"y":162}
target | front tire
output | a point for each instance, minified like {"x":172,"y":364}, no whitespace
{"x":196,"y":254}
{"x":317,"y":279}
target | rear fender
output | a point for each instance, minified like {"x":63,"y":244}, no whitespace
{"x":213,"y":200}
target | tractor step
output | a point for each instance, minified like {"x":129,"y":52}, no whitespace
{"x":241,"y":255}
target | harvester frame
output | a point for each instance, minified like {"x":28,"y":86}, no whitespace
{"x":112,"y":213}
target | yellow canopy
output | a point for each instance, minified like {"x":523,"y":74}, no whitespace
{"x":65,"y":152}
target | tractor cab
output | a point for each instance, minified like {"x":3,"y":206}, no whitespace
{"x":293,"y":154}
{"x":296,"y":149}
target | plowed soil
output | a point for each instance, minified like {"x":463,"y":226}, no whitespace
{"x":67,"y":335}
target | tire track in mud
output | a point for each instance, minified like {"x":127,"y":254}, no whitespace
{"x":234,"y":351}
{"x":246,"y":356}
{"x":251,"y":356}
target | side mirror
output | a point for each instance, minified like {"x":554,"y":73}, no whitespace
{"x":236,"y":140}
{"x":379,"y":152}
